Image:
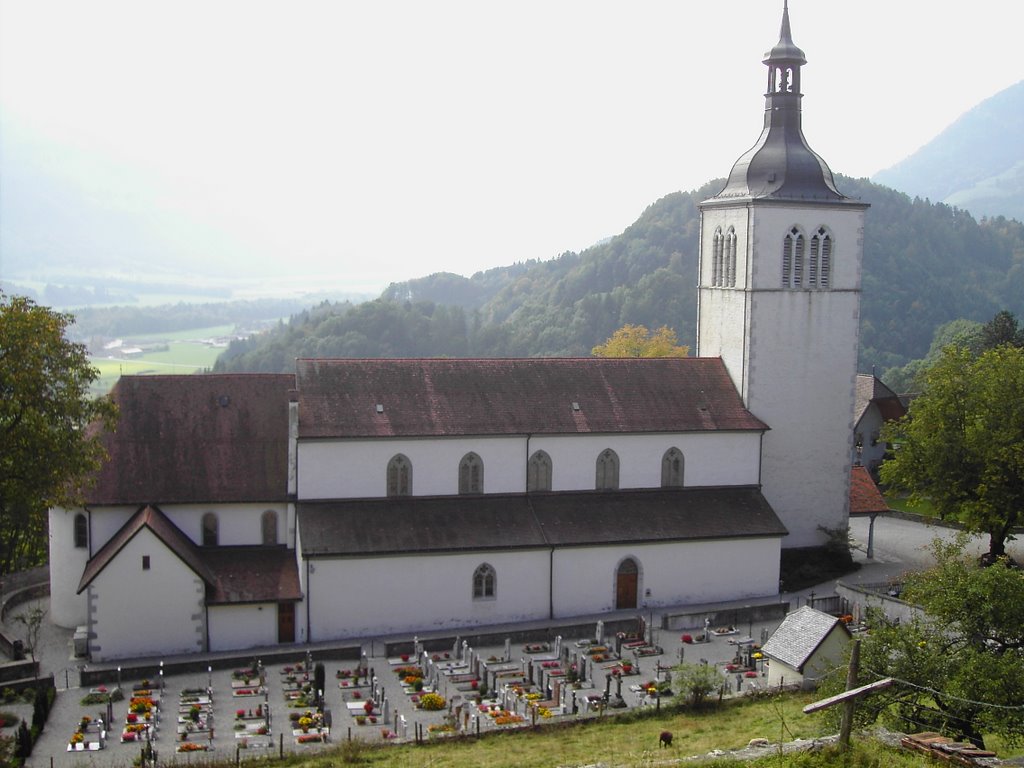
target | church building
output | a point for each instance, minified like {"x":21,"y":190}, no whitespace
{"x":357,"y":498}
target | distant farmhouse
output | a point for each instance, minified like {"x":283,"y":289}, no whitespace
{"x":875,"y":405}
{"x":372,"y":497}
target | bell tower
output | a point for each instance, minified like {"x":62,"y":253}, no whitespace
{"x":779,"y":301}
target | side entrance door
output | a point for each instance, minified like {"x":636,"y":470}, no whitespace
{"x":626,"y":584}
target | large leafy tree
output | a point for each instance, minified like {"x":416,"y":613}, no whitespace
{"x":47,"y":448}
{"x":959,"y":665}
{"x":961,"y":444}
{"x":637,"y":341}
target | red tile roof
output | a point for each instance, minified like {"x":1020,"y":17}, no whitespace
{"x":439,"y":397}
{"x":203,"y":438}
{"x":865,"y":498}
{"x":252,"y":575}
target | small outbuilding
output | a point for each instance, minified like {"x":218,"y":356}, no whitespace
{"x":807,"y":645}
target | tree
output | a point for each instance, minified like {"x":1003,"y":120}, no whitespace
{"x":637,"y":341}
{"x":961,"y":444}
{"x":1002,"y":329}
{"x":958,"y":666}
{"x":32,"y":620}
{"x":695,"y":682}
{"x":47,"y":448}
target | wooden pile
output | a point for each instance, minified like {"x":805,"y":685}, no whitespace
{"x":943,"y":748}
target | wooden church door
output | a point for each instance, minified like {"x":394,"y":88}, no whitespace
{"x":626,"y":584}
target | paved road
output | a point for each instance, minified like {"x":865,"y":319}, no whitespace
{"x":899,"y":545}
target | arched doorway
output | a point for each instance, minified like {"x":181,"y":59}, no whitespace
{"x":626,"y":578}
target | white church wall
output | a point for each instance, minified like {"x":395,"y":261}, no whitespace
{"x":358,"y":468}
{"x":361,"y":597}
{"x":709,"y":458}
{"x":340,"y":469}
{"x":137,"y":611}
{"x":677,"y":573}
{"x":234,"y":627}
{"x":67,"y":562}
{"x":793,"y":353}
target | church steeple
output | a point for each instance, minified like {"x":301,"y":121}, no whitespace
{"x":781,"y":165}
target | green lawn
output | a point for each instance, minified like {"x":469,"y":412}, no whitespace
{"x":185,"y":353}
{"x":900,"y":504}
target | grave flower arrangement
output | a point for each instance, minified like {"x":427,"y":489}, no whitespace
{"x":432,"y":702}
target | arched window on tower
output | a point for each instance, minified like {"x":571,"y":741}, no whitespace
{"x":211,"y":528}
{"x":485,"y":582}
{"x":268,"y":527}
{"x":471,"y":474}
{"x":538,"y":472}
{"x":607,"y":471}
{"x":81,"y":531}
{"x":730,"y":258}
{"x":793,"y":259}
{"x":399,"y":476}
{"x":821,"y":259}
{"x":672,"y":469}
{"x":717,"y":250}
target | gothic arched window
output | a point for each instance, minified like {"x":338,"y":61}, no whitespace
{"x":471,"y":474}
{"x":399,"y":476}
{"x":538,"y":472}
{"x":268,"y":527}
{"x":717,"y":249}
{"x":820,"y":273}
{"x":793,"y":259}
{"x":672,"y":469}
{"x":729,"y":266}
{"x":484,"y":582}
{"x":607,"y":471}
{"x":81,"y":531}
{"x":210,"y":530}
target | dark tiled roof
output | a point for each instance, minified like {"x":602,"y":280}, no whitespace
{"x":234,"y":574}
{"x":252,"y":574}
{"x":524,"y":396}
{"x":865,"y":498}
{"x":520,"y":521}
{"x":203,"y":438}
{"x":172,"y":537}
{"x":870,"y":389}
{"x":799,"y":636}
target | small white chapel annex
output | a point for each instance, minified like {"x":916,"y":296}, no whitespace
{"x":360,"y":498}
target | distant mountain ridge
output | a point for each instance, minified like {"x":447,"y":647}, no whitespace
{"x":977,"y":163}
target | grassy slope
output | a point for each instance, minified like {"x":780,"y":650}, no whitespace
{"x":631,"y":740}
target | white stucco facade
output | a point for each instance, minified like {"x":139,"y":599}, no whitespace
{"x":792,"y":353}
{"x":670,"y":573}
{"x":360,"y":597}
{"x":146,"y":602}
{"x":331,"y":469}
{"x":234,"y":627}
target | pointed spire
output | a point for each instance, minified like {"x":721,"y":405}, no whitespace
{"x":781,"y":165}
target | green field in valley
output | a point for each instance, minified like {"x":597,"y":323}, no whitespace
{"x":185,"y":352}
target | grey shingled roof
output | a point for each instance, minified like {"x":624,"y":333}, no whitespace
{"x":444,"y":397}
{"x":526,"y":521}
{"x":799,"y":636}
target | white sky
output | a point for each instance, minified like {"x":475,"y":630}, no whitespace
{"x":384,"y":140}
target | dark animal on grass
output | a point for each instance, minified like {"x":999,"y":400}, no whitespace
{"x":665,"y":739}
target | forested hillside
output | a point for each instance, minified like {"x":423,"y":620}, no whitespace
{"x":925,"y":264}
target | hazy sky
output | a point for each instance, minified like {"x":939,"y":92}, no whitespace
{"x":386,"y":140}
